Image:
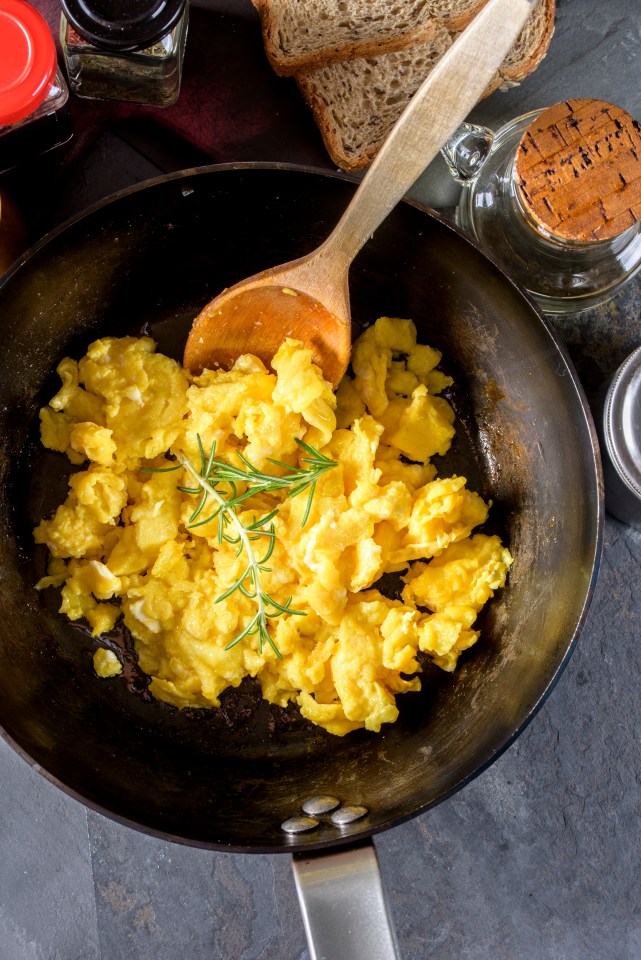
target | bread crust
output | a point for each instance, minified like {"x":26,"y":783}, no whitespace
{"x":458,"y":21}
{"x":336,"y":54}
{"x":289,"y":63}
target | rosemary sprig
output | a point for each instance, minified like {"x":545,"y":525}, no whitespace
{"x":295,"y":480}
{"x":213,"y":472}
{"x":248,"y":583}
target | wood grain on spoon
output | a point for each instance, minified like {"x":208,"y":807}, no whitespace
{"x":247,"y":319}
{"x":265,"y":316}
{"x":257,"y":314}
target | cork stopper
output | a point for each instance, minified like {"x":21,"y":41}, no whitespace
{"x":578,"y":170}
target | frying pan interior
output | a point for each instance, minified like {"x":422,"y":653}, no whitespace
{"x":228,"y":778}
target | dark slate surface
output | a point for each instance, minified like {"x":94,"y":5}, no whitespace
{"x":538,"y":859}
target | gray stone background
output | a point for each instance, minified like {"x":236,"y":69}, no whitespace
{"x":538,"y":858}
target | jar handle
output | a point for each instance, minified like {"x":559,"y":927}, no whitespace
{"x":466,"y":151}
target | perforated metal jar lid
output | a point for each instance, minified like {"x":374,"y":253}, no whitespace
{"x":123,"y":24}
{"x":622,"y":422}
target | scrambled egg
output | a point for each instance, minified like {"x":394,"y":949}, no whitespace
{"x":106,"y":663}
{"x":122,"y":545}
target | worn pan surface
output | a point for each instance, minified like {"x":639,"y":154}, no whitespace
{"x":227,"y":779}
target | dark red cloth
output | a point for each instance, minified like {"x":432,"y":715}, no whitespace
{"x":232,"y":105}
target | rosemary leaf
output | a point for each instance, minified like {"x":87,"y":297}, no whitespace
{"x":250,"y":628}
{"x":160,"y":469}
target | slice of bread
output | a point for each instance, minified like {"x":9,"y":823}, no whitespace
{"x":357,"y":102}
{"x":303,"y":34}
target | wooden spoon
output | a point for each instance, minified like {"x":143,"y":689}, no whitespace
{"x":308,"y":299}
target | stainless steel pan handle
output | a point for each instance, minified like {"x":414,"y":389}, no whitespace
{"x":343,"y":904}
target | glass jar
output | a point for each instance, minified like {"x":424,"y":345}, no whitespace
{"x":130,"y":51}
{"x":34,"y":109}
{"x":563,"y":274}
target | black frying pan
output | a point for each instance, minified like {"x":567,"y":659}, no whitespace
{"x":227,"y":779}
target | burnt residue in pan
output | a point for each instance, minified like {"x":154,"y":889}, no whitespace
{"x":241,"y":708}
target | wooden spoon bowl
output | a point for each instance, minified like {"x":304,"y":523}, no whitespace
{"x":256,"y":316}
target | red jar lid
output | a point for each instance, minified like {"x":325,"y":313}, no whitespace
{"x":27,"y":60}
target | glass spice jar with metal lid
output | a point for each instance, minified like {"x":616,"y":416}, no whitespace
{"x":128,"y":50}
{"x":34,"y":109}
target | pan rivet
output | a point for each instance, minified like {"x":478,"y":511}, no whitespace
{"x":348,"y":814}
{"x":299,"y":824}
{"x":317,"y":806}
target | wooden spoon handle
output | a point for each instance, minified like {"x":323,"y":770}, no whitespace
{"x":444,"y":99}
